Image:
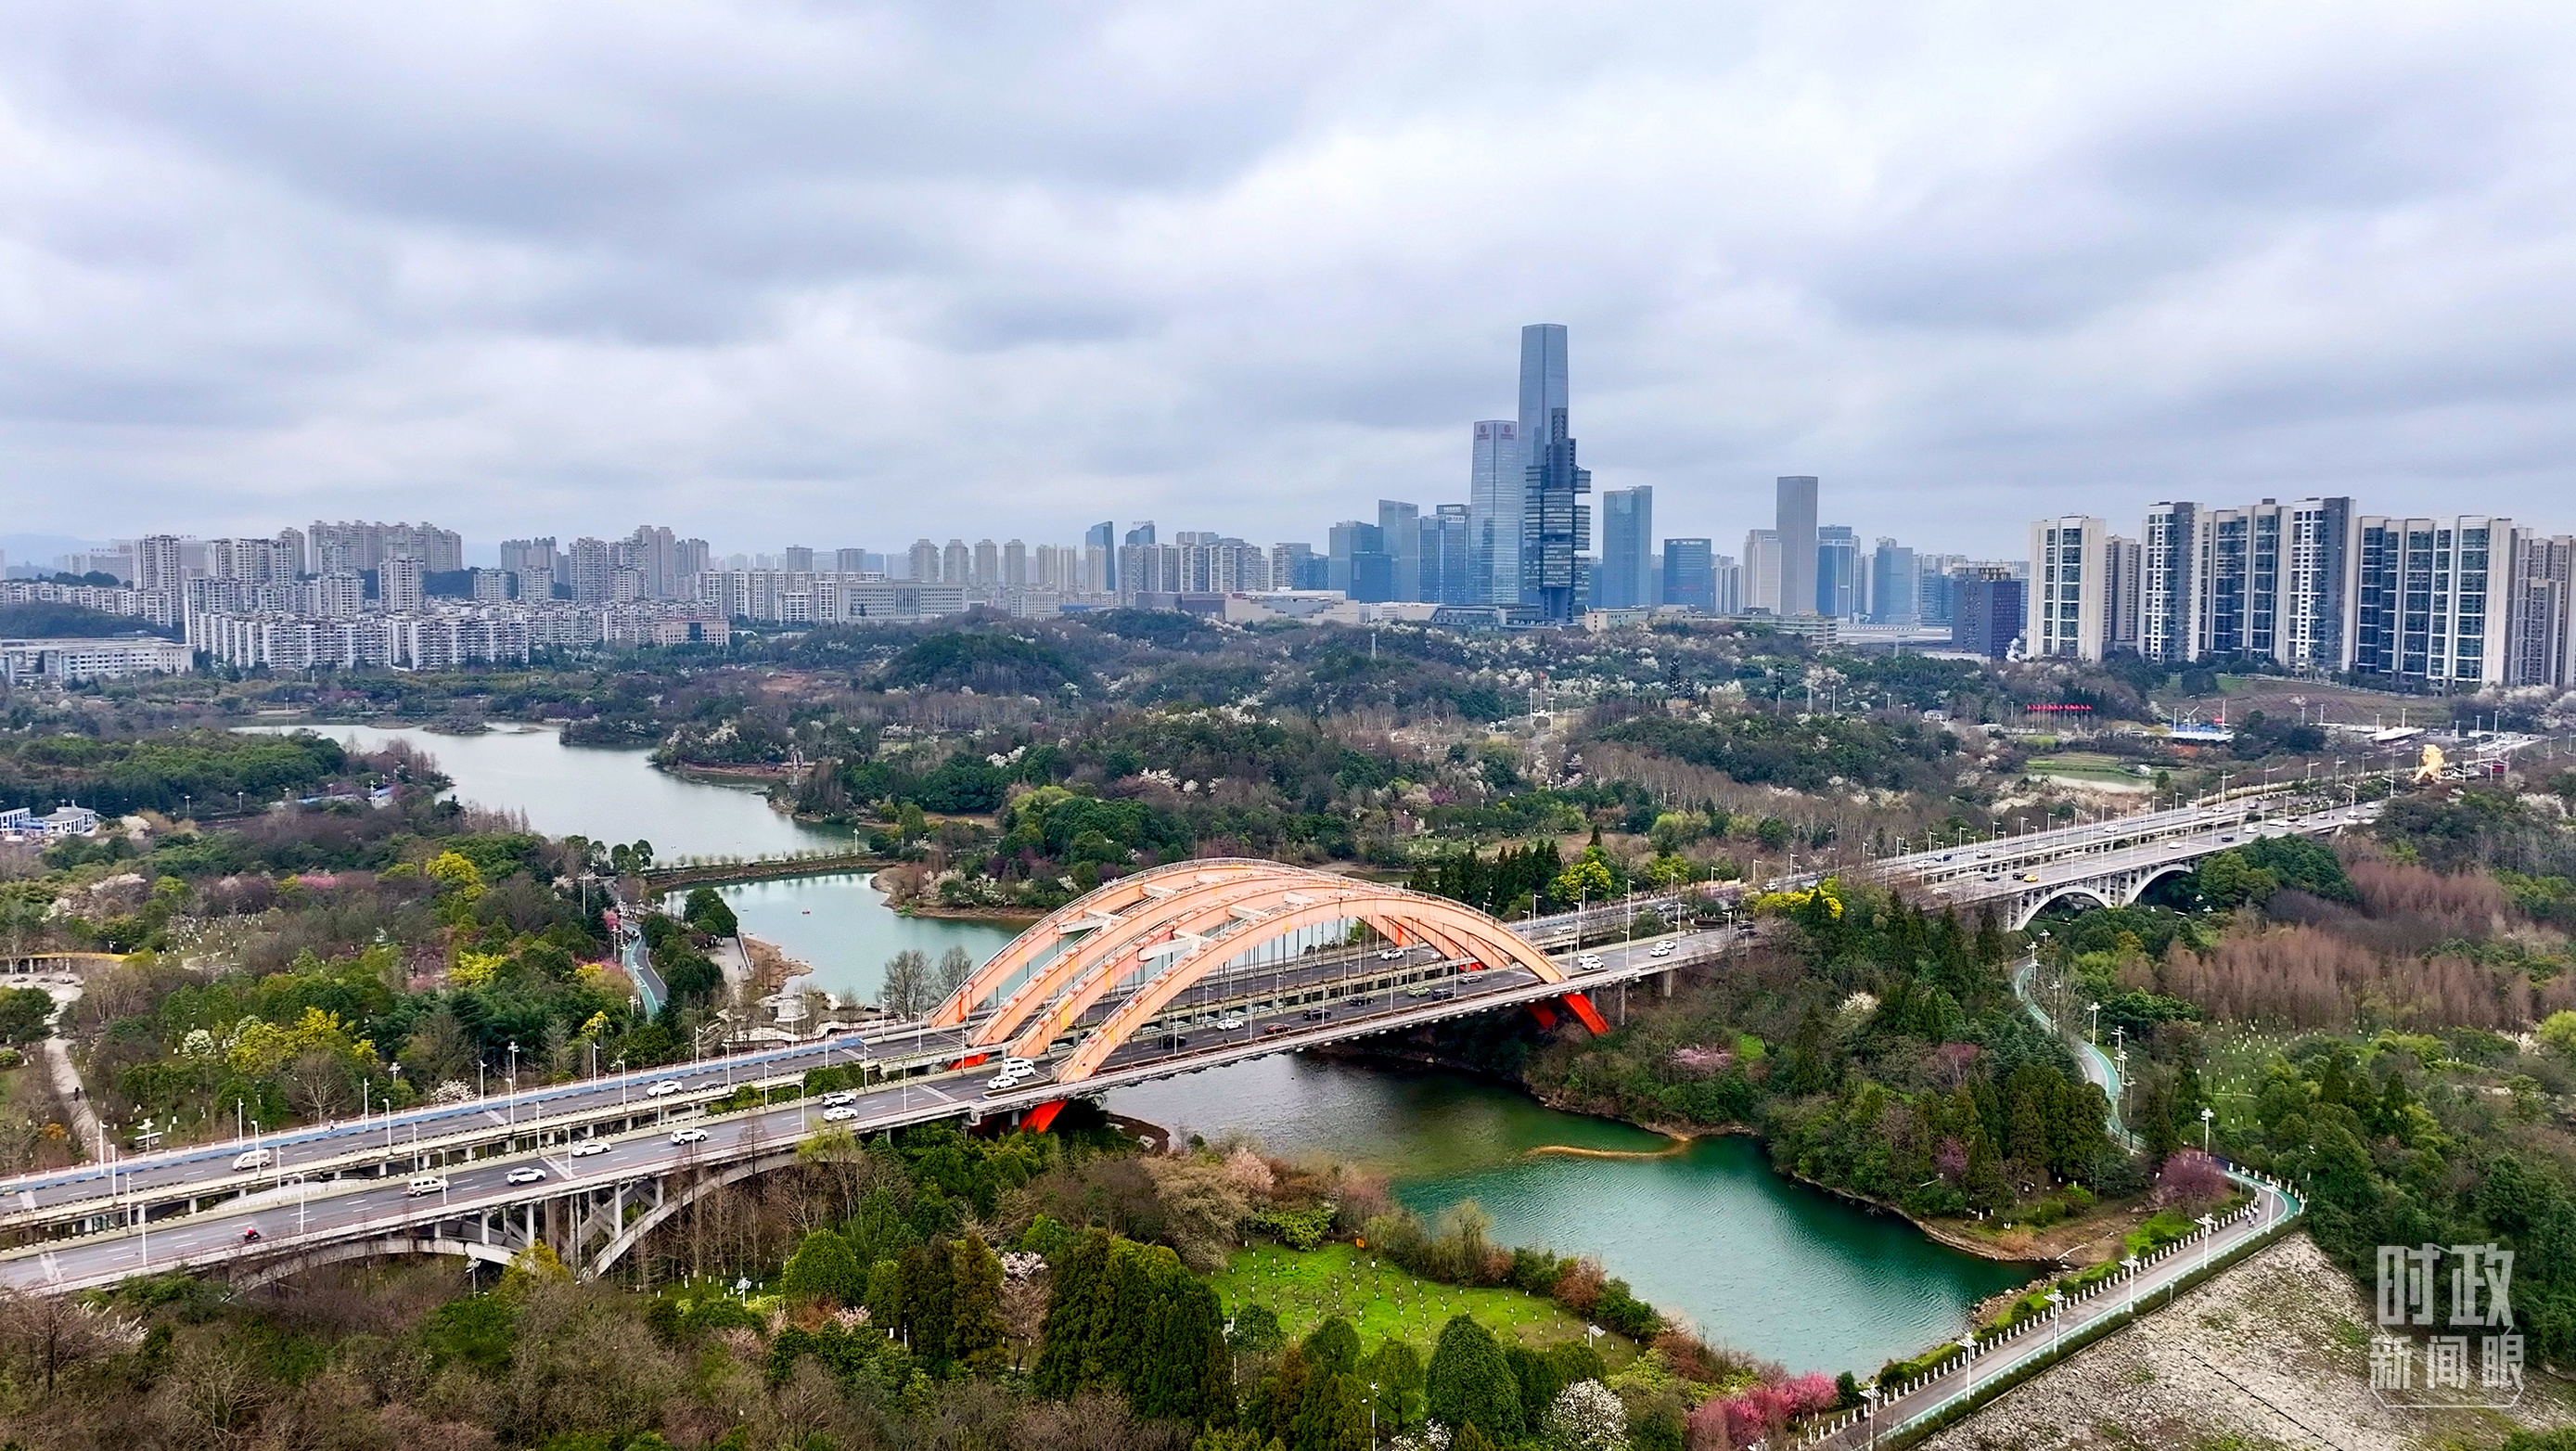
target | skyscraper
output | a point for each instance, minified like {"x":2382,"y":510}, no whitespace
{"x":1690,"y":569}
{"x":1795,"y":523}
{"x":1497,"y":472}
{"x":1448,"y":562}
{"x":1627,"y":549}
{"x":1555,"y":529}
{"x":1892,"y":596}
{"x":1103,"y":537}
{"x":1360,"y":568}
{"x":1838,"y":586}
{"x":2167,"y":560}
{"x":1544,"y":393}
{"x":1762,"y":570}
{"x":1399,"y":530}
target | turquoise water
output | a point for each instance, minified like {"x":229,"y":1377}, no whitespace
{"x":1708,"y":1233}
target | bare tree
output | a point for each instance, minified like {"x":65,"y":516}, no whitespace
{"x":320,"y":1079}
{"x":955,"y":966}
{"x":906,"y":992}
{"x":54,"y":1333}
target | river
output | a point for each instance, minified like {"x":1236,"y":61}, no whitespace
{"x":1705,"y":1230}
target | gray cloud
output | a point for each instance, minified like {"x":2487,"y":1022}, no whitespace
{"x":848,"y":273}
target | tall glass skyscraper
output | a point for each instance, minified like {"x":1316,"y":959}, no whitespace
{"x":1796,"y":526}
{"x":1495,"y":479}
{"x":1556,"y":530}
{"x":1544,"y":397}
{"x":1627,"y":549}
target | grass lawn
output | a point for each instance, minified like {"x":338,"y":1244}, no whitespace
{"x":2085,"y":766}
{"x":1380,"y":1300}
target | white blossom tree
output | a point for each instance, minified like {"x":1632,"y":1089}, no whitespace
{"x":1585,"y":1416}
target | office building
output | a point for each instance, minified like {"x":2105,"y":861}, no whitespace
{"x":1556,"y":528}
{"x":1299,"y":567}
{"x":1838,"y":582}
{"x":1625,"y":576}
{"x":1987,"y":613}
{"x":1399,"y":532}
{"x":1449,"y":574}
{"x":2430,"y":600}
{"x":2069,"y":616}
{"x":1100,"y":552}
{"x":1894,"y":595}
{"x":1544,"y":389}
{"x":1498,"y":471}
{"x":1690,"y":570}
{"x":1794,"y":520}
{"x":1762,"y":571}
{"x":1359,"y":565}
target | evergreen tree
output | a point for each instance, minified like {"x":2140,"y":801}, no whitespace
{"x":879,"y":1231}
{"x":1272,"y":1410}
{"x":885,"y":1293}
{"x":1991,"y":945}
{"x":975,"y":1311}
{"x":1188,"y":1371}
{"x":1470,"y":1383}
{"x":1471,"y":1439}
{"x":1066,"y":1333}
{"x":824,"y":1269}
{"x":1103,"y":1358}
{"x":1334,"y":1347}
{"x":1536,"y":1378}
{"x":1984,"y":1181}
{"x":1395,"y":1368}
{"x":930,"y":1302}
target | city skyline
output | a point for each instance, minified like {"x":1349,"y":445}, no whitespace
{"x":503,"y":275}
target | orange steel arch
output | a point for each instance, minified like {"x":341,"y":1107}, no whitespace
{"x":1460,"y":930}
{"x":1076,"y":978}
{"x":1109,"y":899}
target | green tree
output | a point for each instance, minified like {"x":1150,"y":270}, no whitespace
{"x":2558,"y":1030}
{"x":707,"y":911}
{"x":824,"y":1268}
{"x":1333,"y":1347}
{"x":1188,"y":1371}
{"x":975,"y":1331}
{"x":1470,"y":1384}
{"x":929,"y":1302}
{"x":1071,"y":1305}
{"x":1395,"y":1368}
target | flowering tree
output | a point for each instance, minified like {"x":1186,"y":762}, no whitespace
{"x":2190,"y":1181}
{"x":1586,"y":1416}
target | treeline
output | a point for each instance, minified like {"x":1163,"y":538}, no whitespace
{"x":207,"y":770}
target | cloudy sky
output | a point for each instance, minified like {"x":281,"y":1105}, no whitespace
{"x":845,"y":274}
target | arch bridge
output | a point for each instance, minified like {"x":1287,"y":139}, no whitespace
{"x":1134,"y":948}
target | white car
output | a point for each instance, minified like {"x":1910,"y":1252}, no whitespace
{"x":1018,"y":1065}
{"x":688,"y":1136}
{"x":663,"y":1089}
{"x":843,"y":1114}
{"x":1229,"y":1024}
{"x":840,"y":1096}
{"x":1392,"y":954}
{"x":588,"y":1147}
{"x":1662,"y":949}
{"x":1588,"y":960}
{"x":528,"y":1174}
{"x":1004,"y":1081}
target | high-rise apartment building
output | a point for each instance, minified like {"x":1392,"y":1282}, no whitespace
{"x":398,"y":584}
{"x":594,"y":569}
{"x":2168,"y":590}
{"x":1498,"y":471}
{"x":364,"y":546}
{"x":922,"y":562}
{"x":533,"y":561}
{"x":339,"y":594}
{"x":796,"y":559}
{"x":1838,"y":581}
{"x":1690,"y":569}
{"x":1794,"y":521}
{"x":1556,"y":528}
{"x":2068,"y":600}
{"x":1625,"y":576}
{"x":2542,"y":648}
{"x":1015,"y":564}
{"x":849,"y":561}
{"x":1298,"y":566}
{"x":290,"y":554}
{"x":1727,"y":577}
{"x":988,"y":564}
{"x":1399,"y":532}
{"x":1893,"y":595}
{"x":158,"y":562}
{"x":1762,"y":556}
{"x":2121,"y":594}
{"x":2430,"y":600}
{"x":688,"y":561}
{"x":955,"y":563}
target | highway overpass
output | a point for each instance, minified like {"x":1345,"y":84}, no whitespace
{"x":1170,"y":971}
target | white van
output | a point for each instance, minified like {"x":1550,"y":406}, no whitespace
{"x":250,"y":1159}
{"x":425,"y":1184}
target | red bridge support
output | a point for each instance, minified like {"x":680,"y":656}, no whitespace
{"x":1040,"y":1118}
{"x":1576,"y":1003}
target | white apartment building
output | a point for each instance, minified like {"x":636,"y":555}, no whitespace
{"x":2430,"y":600}
{"x":2066,"y":612}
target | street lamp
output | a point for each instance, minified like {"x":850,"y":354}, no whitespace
{"x":2131,"y":1265}
{"x":1869,"y":1410}
{"x":2206,"y":1114}
{"x":2055,"y":1323}
{"x":1968,"y":1343}
{"x":2096,"y":1010}
{"x":2208,"y":1234}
